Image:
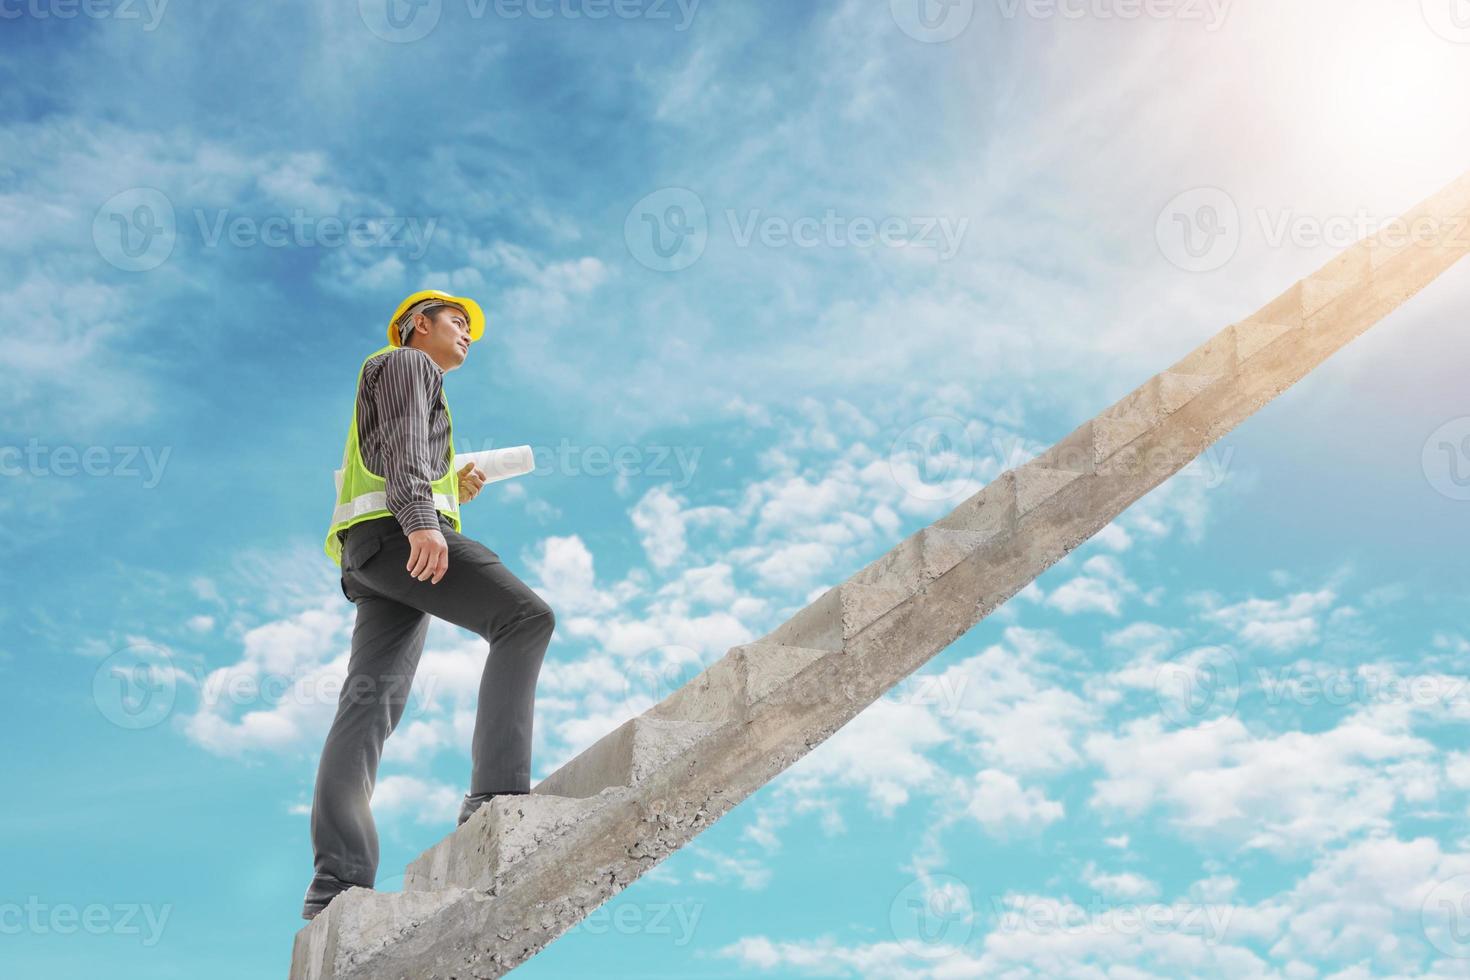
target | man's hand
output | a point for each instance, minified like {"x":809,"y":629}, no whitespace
{"x":428,"y":555}
{"x":471,"y":480}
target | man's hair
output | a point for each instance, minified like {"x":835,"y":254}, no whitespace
{"x":430,"y":311}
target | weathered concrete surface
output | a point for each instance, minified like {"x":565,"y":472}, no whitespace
{"x":767,"y":704}
{"x":732,"y":686}
{"x":497,"y":835}
{"x":624,"y":756}
{"x":358,"y":924}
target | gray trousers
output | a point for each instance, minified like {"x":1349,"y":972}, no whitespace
{"x":477,"y":593}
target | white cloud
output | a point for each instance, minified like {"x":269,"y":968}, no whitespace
{"x":425,"y":801}
{"x":1119,"y":886}
{"x":1280,"y":793}
{"x":1279,"y":625}
{"x":1101,"y":588}
{"x":1000,"y":804}
{"x":882,"y":752}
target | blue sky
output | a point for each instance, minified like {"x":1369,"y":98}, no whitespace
{"x":811,"y":274}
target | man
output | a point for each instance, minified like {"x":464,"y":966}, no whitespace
{"x":395,"y":533}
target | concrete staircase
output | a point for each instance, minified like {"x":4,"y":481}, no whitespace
{"x":524,"y":870}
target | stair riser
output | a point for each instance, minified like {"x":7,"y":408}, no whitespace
{"x":731,"y":687}
{"x":480,"y":853}
{"x":833,"y":618}
{"x":625,"y":757}
{"x":717,"y":694}
{"x":357,"y":926}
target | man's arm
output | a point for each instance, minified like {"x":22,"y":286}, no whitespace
{"x":406,"y":382}
{"x":406,"y":387}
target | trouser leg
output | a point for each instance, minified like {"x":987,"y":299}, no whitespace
{"x":480,"y":594}
{"x":387,"y":641}
{"x":501,"y":750}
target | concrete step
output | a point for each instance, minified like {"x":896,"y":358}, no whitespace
{"x":991,"y":512}
{"x":1037,"y":483}
{"x":495,"y":837}
{"x":1177,"y":389}
{"x":357,"y":925}
{"x":733,"y":686}
{"x":625,"y":756}
{"x":1305,"y":300}
{"x":837,"y":616}
{"x":1215,"y":358}
{"x":1317,"y":293}
{"x":921,"y":558}
{"x":1252,"y":337}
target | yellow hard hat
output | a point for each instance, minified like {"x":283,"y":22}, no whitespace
{"x":470,"y":307}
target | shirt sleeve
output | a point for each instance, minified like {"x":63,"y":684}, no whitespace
{"x":407,"y":385}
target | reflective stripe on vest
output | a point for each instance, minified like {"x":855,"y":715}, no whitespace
{"x":369,"y":503}
{"x":362,"y":494}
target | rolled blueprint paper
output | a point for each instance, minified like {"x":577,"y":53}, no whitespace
{"x":499,"y":464}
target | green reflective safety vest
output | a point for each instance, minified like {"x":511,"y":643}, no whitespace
{"x":362,"y":494}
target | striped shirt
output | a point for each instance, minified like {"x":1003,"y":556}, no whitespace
{"x":403,"y":431}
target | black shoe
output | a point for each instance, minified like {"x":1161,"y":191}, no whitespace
{"x":319,"y":895}
{"x":473,"y":802}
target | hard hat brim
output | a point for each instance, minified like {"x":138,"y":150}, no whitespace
{"x":470,"y":307}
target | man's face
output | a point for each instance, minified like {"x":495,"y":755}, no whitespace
{"x":445,"y":337}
